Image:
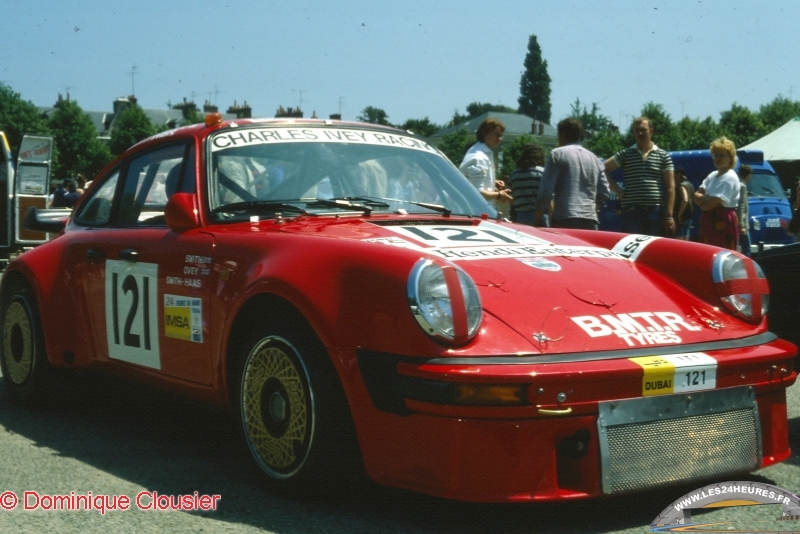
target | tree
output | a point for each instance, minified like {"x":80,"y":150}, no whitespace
{"x":605,"y":143}
{"x":696,"y":134}
{"x":131,"y":127}
{"x":455,"y":144}
{"x":423,"y":127}
{"x":593,"y":122}
{"x":740,"y":125}
{"x":663,"y":128}
{"x":534,"y":87}
{"x":778,"y":112}
{"x":511,"y":153}
{"x":19,"y":117}
{"x":75,"y":139}
{"x":476,"y":109}
{"x":374,"y":115}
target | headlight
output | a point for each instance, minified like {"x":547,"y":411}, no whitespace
{"x":756,"y":224}
{"x":444,"y":301}
{"x":741,"y":285}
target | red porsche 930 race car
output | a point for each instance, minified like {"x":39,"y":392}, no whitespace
{"x":341,"y":285}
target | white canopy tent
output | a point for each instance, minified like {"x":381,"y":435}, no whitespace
{"x":782,"y":149}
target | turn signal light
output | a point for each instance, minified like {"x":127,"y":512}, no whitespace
{"x":492,"y":395}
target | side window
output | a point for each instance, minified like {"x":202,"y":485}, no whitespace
{"x":96,"y":211}
{"x":149,"y":182}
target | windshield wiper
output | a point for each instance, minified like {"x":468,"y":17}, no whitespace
{"x":340,"y":203}
{"x":378,"y":201}
{"x":259,"y":205}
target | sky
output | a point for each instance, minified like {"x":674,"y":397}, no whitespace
{"x":411,"y":58}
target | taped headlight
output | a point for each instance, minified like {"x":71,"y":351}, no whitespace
{"x":741,"y":285}
{"x":444,"y":301}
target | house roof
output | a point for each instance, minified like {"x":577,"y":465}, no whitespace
{"x":515,"y":123}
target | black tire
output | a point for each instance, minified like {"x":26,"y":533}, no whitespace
{"x":23,"y":360}
{"x":293,"y":413}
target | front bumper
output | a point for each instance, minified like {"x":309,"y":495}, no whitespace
{"x":557,"y":444}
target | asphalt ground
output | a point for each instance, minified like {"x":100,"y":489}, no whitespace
{"x":116,"y":438}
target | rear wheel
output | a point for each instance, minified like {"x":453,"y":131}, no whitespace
{"x":23,"y":360}
{"x":294,"y":415}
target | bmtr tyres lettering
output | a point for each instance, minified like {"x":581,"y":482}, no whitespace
{"x":637,"y":328}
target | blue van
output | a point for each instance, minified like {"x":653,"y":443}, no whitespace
{"x":770,"y":211}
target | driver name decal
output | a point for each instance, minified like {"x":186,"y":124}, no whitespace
{"x":261,"y":136}
{"x":637,"y":328}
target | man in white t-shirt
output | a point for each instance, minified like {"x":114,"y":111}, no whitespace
{"x":478,"y":164}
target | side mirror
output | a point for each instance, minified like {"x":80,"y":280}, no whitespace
{"x":50,"y":221}
{"x":181,"y":212}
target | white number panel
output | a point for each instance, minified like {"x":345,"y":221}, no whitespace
{"x":132,"y":312}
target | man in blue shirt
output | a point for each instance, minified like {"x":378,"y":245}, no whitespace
{"x":575,"y":177}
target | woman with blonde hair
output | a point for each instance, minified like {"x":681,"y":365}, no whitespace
{"x":718,"y":197}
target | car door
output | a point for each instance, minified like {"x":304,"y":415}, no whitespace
{"x":146,"y":286}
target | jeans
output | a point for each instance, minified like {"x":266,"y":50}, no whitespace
{"x":576,"y":224}
{"x":526,"y":217}
{"x":644,"y":220}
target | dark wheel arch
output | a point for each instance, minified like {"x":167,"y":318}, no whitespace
{"x":269,"y":324}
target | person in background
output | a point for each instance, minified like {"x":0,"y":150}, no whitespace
{"x":575,"y":177}
{"x":524,"y":183}
{"x":72,"y":196}
{"x":478,"y":164}
{"x":81,"y":184}
{"x":743,"y":210}
{"x":649,"y":195}
{"x":683,"y":211}
{"x":718,"y":197}
{"x":58,"y":195}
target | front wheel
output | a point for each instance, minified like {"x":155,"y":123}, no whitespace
{"x":294,"y":415}
{"x":277,"y":406}
{"x":23,"y":360}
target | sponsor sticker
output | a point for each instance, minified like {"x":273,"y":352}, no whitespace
{"x":636,"y":328}
{"x":541,"y":263}
{"x":183,"y":318}
{"x":677,"y":373}
{"x":630,"y":246}
{"x":487,"y":240}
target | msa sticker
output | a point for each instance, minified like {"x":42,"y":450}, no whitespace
{"x":677,"y":373}
{"x":183,"y":318}
{"x":488,"y":240}
{"x":264,"y":136}
{"x":132,"y":312}
{"x":630,"y":246}
{"x":638,"y":328}
{"x":541,"y":263}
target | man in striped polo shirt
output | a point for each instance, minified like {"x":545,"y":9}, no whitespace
{"x":649,"y":194}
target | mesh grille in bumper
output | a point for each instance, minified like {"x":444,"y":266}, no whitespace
{"x":666,"y":440}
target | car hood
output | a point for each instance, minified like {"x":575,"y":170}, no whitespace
{"x":562,"y":291}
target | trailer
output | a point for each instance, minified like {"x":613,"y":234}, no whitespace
{"x":22,"y":187}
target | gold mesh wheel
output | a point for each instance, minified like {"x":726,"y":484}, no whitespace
{"x":277,"y":407}
{"x":18,"y":343}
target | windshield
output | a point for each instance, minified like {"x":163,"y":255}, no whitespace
{"x":324,"y":170}
{"x":765,"y":185}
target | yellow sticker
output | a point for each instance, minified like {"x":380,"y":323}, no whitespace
{"x":677,"y":373}
{"x":183,"y":318}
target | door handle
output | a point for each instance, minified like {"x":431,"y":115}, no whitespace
{"x":129,"y":255}
{"x":95,"y":254}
